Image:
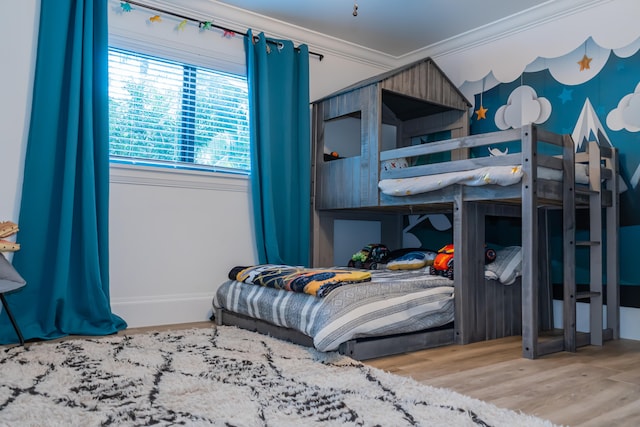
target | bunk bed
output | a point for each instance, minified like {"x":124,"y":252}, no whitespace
{"x":412,"y":123}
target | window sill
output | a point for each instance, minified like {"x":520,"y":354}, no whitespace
{"x":180,"y":178}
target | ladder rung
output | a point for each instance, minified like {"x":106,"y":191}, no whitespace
{"x":585,"y":190}
{"x":588,"y":243}
{"x":587,"y":295}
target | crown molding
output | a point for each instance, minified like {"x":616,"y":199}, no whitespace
{"x":544,"y":13}
{"x":240,"y":20}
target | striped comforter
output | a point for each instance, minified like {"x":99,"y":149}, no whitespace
{"x":392,"y":302}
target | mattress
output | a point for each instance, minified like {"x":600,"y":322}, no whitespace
{"x":496,"y":175}
{"x":392,"y":302}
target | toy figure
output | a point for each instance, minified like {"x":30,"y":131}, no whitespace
{"x":443,"y":264}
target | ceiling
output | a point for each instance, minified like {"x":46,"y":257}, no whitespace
{"x":395,"y":28}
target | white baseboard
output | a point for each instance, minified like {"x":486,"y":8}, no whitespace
{"x":164,"y":310}
{"x":629,"y":317}
{"x":176,"y":309}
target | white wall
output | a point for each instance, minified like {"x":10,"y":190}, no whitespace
{"x":18,"y":36}
{"x":174,"y":235}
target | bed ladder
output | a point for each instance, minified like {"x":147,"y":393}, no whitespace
{"x":599,"y":250}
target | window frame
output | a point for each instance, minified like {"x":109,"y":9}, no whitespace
{"x":204,"y":50}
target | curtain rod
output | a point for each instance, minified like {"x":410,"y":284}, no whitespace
{"x":200,"y":23}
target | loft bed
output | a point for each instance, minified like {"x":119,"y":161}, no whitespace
{"x":526,"y":184}
{"x":392,"y":127}
{"x":413,"y":122}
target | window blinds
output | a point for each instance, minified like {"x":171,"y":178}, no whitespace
{"x":178,"y":115}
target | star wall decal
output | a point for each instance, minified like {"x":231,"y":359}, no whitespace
{"x":585,"y":63}
{"x":482,"y":112}
{"x":566,"y":96}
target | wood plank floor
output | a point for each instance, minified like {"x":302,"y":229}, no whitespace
{"x":596,"y":386}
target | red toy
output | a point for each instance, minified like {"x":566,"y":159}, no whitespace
{"x":443,"y":263}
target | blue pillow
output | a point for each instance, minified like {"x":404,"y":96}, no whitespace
{"x":412,"y":260}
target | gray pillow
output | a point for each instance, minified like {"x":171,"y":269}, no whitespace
{"x":9,"y":277}
{"x":507,"y":265}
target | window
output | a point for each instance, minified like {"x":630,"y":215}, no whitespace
{"x":177,"y":115}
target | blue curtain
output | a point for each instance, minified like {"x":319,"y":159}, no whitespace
{"x":278,"y":76}
{"x":64,"y":209}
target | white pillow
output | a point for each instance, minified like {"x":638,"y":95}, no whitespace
{"x":582,"y":173}
{"x":395,"y":164}
{"x":507,"y":265}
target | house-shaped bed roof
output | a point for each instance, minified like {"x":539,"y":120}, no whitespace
{"x":414,"y":90}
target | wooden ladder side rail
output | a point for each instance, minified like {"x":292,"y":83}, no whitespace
{"x":595,"y":245}
{"x":612,"y":213}
{"x":568,"y":245}
{"x":530,"y":236}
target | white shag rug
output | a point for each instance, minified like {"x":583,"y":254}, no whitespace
{"x":220,"y":376}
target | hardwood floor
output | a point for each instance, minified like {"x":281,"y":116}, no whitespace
{"x":596,"y":386}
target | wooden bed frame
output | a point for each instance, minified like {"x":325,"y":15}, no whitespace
{"x":388,"y":112}
{"x":530,"y":200}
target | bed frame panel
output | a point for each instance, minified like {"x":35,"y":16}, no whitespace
{"x":358,"y":349}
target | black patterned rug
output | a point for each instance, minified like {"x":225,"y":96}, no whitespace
{"x":222,"y":376}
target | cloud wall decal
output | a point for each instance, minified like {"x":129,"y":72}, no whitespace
{"x":627,"y":114}
{"x":627,"y":51}
{"x":523,"y":107}
{"x":564,"y":68}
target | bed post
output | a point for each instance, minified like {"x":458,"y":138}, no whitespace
{"x":462,"y":312}
{"x":468,"y":240}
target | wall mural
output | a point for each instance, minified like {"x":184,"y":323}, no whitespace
{"x":592,"y":93}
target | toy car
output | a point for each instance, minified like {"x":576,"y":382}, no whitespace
{"x":443,"y":263}
{"x":369,"y":257}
